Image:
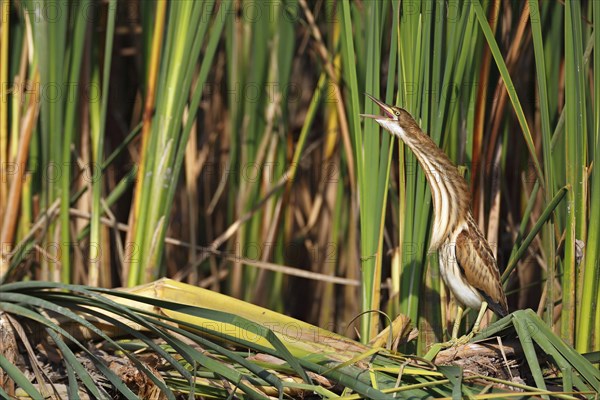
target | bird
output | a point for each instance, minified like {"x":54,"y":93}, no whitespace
{"x":467,"y":265}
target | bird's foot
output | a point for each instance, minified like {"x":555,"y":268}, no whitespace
{"x":454,"y":342}
{"x":460,"y":341}
{"x":436,"y":348}
{"x":464,"y":339}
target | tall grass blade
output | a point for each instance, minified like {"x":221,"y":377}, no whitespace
{"x":588,"y":322}
{"x":96,"y":242}
{"x":576,"y":158}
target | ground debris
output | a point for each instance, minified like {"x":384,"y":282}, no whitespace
{"x":496,"y":360}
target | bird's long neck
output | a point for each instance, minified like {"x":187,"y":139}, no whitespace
{"x":449,"y":189}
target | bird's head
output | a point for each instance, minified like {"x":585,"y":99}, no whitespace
{"x":395,"y":119}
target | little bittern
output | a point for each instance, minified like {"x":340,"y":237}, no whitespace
{"x":467,"y":264}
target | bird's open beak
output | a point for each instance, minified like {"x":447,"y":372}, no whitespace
{"x":385,"y":110}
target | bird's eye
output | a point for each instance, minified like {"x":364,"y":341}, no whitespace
{"x":397,"y":113}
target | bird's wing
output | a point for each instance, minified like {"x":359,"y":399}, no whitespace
{"x":477,"y":261}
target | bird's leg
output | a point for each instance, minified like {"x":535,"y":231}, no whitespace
{"x":466,"y":338}
{"x":454,"y":340}
{"x":457,"y":341}
{"x":459,"y":314}
{"x":482,"y":311}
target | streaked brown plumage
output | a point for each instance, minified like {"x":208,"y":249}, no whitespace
{"x":467,"y":264}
